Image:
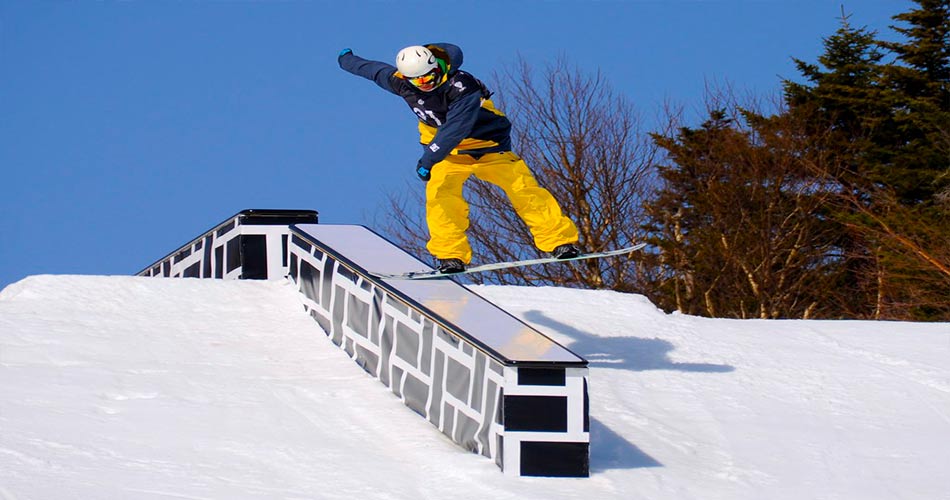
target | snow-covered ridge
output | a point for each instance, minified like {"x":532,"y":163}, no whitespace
{"x":125,"y":387}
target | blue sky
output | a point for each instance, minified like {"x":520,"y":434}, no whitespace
{"x":128,"y":128}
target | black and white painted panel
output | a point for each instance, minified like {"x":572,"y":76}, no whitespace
{"x":204,"y":257}
{"x":250,"y":245}
{"x":547,"y":426}
{"x":448,"y":382}
{"x":496,"y":387}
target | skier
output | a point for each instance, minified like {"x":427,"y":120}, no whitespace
{"x":463,"y":134}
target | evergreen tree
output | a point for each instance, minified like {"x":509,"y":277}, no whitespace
{"x":920,"y":82}
{"x":887,"y":123}
{"x":846,"y":98}
{"x":855,"y":168}
{"x":918,"y":215}
{"x":736,"y":221}
{"x":846,"y":106}
{"x":926,"y":52}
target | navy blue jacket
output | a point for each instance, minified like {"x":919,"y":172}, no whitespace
{"x":457,"y":116}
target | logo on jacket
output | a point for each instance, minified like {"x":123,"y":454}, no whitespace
{"x":459,"y":85}
{"x":433,"y":147}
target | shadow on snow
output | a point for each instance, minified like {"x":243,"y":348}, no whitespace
{"x":623,"y":353}
{"x":610,"y":450}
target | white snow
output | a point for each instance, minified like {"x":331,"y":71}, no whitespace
{"x":129,"y":388}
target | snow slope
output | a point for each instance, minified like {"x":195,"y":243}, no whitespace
{"x":125,"y":387}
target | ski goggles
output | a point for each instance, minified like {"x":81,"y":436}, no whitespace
{"x":427,"y":81}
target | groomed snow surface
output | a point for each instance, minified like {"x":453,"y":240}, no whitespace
{"x":143,"y":388}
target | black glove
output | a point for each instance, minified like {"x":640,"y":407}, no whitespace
{"x":424,"y":171}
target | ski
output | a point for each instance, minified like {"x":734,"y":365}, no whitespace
{"x":432,"y":274}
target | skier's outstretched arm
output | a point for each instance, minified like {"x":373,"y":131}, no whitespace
{"x":377,"y":71}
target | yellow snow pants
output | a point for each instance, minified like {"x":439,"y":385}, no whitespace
{"x":447,"y":210}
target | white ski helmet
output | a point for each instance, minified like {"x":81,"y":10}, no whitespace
{"x":415,"y":61}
